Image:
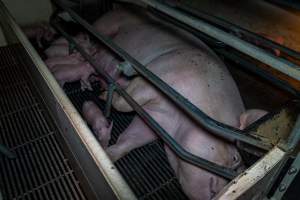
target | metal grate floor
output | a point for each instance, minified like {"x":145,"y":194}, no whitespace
{"x":146,"y":169}
{"x":41,"y":170}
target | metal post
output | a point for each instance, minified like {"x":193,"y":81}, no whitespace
{"x":111,"y":89}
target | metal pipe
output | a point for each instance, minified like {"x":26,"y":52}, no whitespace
{"x":237,"y":29}
{"x":219,"y":129}
{"x":173,"y":145}
{"x":71,"y":122}
{"x":232,"y":55}
{"x":280,"y":64}
{"x":111,"y":89}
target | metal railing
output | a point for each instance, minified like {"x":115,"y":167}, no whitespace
{"x":174,"y":146}
{"x":207,"y":122}
{"x":215,"y":127}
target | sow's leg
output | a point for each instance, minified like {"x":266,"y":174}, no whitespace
{"x":138,"y":133}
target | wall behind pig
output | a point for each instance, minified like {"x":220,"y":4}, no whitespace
{"x":29,"y":11}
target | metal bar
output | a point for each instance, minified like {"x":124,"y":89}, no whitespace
{"x":233,"y":54}
{"x":174,"y":146}
{"x":76,"y":132}
{"x":111,"y":89}
{"x":259,"y":71}
{"x":237,"y":29}
{"x":280,"y":64}
{"x":219,"y":129}
{"x":288,"y":179}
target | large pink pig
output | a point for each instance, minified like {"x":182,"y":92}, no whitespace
{"x":191,"y":68}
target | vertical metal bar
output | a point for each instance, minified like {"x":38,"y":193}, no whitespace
{"x":111,"y":89}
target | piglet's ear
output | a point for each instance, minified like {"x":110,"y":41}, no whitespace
{"x":250,"y":116}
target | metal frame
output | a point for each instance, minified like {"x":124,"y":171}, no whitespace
{"x":237,"y":30}
{"x":66,"y":110}
{"x":207,"y":122}
{"x":234,"y":55}
{"x":174,"y":146}
{"x":288,"y":179}
{"x":199,"y":116}
{"x":97,"y":168}
{"x":280,"y":64}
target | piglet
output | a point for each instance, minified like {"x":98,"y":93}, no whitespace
{"x":60,"y":47}
{"x":94,"y":117}
{"x":39,"y":32}
{"x":73,"y":58}
{"x":73,"y":72}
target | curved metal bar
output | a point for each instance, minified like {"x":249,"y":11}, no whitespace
{"x":173,"y":145}
{"x":215,"y":127}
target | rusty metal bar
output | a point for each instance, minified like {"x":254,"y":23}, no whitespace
{"x":215,"y":127}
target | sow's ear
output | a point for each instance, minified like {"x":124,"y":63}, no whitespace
{"x":250,"y":116}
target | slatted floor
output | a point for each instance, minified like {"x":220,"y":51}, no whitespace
{"x":146,"y":169}
{"x":40,"y":170}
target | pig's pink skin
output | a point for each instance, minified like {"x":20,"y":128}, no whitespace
{"x":57,"y":50}
{"x":250,"y":116}
{"x":205,"y":81}
{"x":60,"y":47}
{"x":146,"y":42}
{"x":192,"y":69}
{"x":94,"y":117}
{"x":198,"y":75}
{"x":73,"y":72}
{"x":110,"y":23}
{"x":81,"y":38}
{"x":74,"y":58}
{"x":39,"y":32}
